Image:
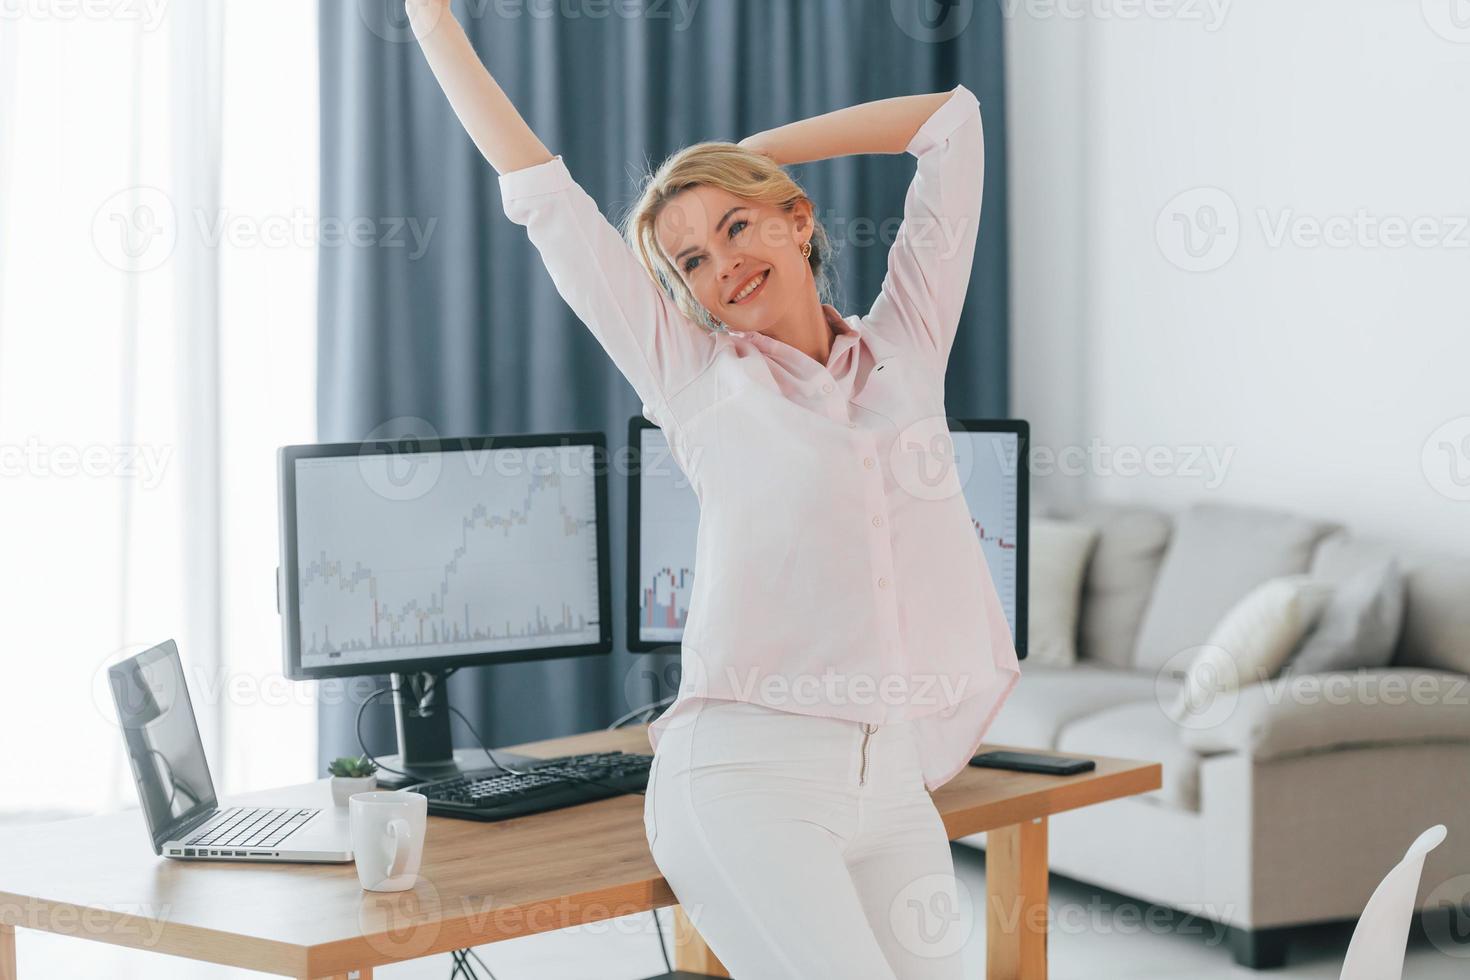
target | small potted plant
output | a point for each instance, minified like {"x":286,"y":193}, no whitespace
{"x":352,"y":775}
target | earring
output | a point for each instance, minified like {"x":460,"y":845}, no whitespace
{"x":806,"y":250}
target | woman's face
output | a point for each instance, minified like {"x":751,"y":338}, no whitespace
{"x":740,"y":259}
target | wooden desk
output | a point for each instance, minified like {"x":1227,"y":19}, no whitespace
{"x":97,"y":878}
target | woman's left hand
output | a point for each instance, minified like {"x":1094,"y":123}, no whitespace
{"x":757,"y":145}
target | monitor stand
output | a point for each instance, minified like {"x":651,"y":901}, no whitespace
{"x":421,"y":717}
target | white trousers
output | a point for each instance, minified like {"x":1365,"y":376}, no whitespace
{"x":804,"y":848}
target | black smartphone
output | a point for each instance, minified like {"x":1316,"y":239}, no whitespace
{"x":1051,"y":765}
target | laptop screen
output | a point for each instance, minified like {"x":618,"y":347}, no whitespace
{"x":164,"y":748}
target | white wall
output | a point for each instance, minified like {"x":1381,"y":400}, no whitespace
{"x":1321,"y":376}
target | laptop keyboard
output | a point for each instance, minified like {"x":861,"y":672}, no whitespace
{"x":244,"y":826}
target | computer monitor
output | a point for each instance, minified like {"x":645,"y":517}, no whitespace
{"x":663,"y":523}
{"x":415,"y":557}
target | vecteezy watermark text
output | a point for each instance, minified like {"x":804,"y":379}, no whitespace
{"x":1207,"y":463}
{"x":1363,"y":229}
{"x":1210,"y":14}
{"x":389,"y":20}
{"x":138,"y":228}
{"x":298,"y":228}
{"x":142,"y":462}
{"x":1201,"y":229}
{"x":148,"y":13}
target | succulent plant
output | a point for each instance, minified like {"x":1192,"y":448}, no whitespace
{"x":352,"y":768}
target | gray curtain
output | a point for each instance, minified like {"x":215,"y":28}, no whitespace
{"x":436,"y":316}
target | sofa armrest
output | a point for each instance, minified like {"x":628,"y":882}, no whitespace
{"x":1295,"y":714}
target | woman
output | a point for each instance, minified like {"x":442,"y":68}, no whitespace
{"x":844,"y":650}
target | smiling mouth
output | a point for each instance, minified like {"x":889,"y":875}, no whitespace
{"x":751,"y":288}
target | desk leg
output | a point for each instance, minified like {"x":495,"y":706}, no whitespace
{"x":690,"y":951}
{"x":1016,"y":901}
{"x":7,"y":953}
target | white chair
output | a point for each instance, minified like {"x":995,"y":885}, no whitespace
{"x":1376,"y":951}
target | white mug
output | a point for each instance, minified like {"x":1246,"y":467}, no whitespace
{"x":387,"y":838}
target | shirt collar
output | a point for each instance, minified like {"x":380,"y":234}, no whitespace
{"x":840,"y":327}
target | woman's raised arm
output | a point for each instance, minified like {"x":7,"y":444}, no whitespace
{"x":882,"y":126}
{"x":930,"y":260}
{"x":482,"y":107}
{"x":654,"y":345}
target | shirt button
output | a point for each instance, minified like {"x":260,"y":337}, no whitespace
{"x":869,"y":462}
{"x":827,"y":388}
{"x":882,"y":583}
{"x":877,"y":521}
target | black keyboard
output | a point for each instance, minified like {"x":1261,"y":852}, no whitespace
{"x":494,"y":794}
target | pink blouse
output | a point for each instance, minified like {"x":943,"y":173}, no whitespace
{"x":836,"y":570}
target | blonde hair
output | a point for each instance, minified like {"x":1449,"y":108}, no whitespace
{"x":744,"y":173}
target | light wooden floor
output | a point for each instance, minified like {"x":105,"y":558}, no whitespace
{"x":1098,"y":936}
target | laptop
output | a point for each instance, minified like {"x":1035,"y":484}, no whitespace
{"x":166,"y":754}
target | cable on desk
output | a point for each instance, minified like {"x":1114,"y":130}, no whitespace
{"x":543,"y":770}
{"x":362,"y":744}
{"x":644,"y":710}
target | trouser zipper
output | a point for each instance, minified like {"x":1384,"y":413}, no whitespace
{"x":863,"y":771}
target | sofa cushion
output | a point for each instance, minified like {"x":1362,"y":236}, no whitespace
{"x":1436,"y":631}
{"x":1058,"y":559}
{"x":1139,"y":730}
{"x":1120,"y":579}
{"x":1047,"y":698}
{"x":1359,"y":627}
{"x":1216,"y":554}
{"x":1346,"y":709}
{"x":1436,"y":627}
{"x":1340,"y":555}
{"x":1250,"y":643}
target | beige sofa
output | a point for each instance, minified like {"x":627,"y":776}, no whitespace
{"x":1291,"y":809}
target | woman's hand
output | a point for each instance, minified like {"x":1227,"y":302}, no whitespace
{"x":756,"y":144}
{"x":425,"y":15}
